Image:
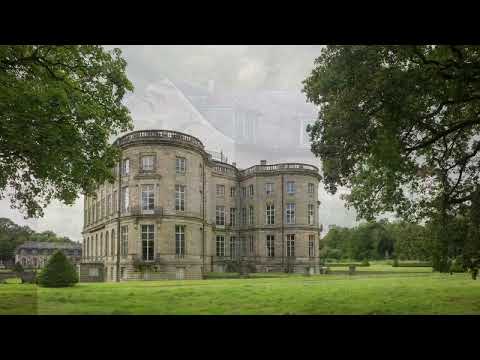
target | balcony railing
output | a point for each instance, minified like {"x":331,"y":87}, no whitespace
{"x":278,"y":167}
{"x":158,"y":134}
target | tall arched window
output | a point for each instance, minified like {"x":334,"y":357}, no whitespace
{"x":106,"y":243}
{"x":113,"y":242}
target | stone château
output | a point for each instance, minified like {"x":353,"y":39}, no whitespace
{"x":175,"y":212}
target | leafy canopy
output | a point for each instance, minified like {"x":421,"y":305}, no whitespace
{"x":58,"y":107}
{"x":398,"y":126}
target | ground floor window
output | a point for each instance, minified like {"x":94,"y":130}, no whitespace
{"x":270,"y":245}
{"x":220,"y":248}
{"x":124,"y":239}
{"x":233,"y":244}
{"x":311,"y":245}
{"x":180,"y":240}
{"x":252,"y":245}
{"x":148,"y":236}
{"x":291,"y":245}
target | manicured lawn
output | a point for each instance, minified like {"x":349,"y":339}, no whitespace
{"x":397,"y":293}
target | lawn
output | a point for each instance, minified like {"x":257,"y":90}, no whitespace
{"x":364,"y":293}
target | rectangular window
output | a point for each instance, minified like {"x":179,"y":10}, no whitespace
{"x":269,"y":188}
{"x":98,"y":211}
{"x":115,"y":197}
{"x":233,"y":191}
{"x":181,"y":165}
{"x":250,"y":190}
{"x":290,"y":213}
{"x":291,"y":245}
{"x":220,"y":245}
{"x":180,"y":197}
{"x":233,"y":212}
{"x":123,"y":240}
{"x":244,"y":216}
{"x":244,"y":191}
{"x":220,"y":190}
{"x":251,"y":215}
{"x":291,"y":187}
{"x":109,"y":204}
{"x":125,"y":200}
{"x":270,"y":214}
{"x":311,"y":245}
{"x":148,"y":197}
{"x":252,"y":245}
{"x":243,"y":242}
{"x":233,"y":247}
{"x":311,"y":188}
{"x":270,"y":245}
{"x":311,"y":214}
{"x":125,"y":167}
{"x":148,"y":236}
{"x":180,"y":240}
{"x":147,"y":162}
{"x":220,"y":215}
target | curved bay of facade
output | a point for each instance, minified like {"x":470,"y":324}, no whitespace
{"x":175,"y":212}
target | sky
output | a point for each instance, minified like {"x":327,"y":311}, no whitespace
{"x":233,"y":69}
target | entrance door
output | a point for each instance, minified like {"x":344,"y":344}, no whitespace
{"x":180,"y":274}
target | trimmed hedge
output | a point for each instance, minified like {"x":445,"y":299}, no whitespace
{"x":59,"y":272}
{"x":347,"y":264}
{"x":414,"y":264}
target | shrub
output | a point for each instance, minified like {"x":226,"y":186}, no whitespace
{"x":58,"y":272}
{"x":395,"y":263}
{"x":365,"y":263}
{"x":457,"y":266}
{"x":18,"y":268}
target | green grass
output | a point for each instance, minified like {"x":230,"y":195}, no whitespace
{"x":363,"y":293}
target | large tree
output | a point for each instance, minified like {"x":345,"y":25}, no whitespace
{"x":398,"y":126}
{"x":59,"y":106}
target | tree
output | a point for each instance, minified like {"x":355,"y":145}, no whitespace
{"x":59,"y":105}
{"x":398,"y":126}
{"x":58,"y":272}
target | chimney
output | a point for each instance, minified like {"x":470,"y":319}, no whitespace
{"x":211,"y":86}
{"x":263,"y":162}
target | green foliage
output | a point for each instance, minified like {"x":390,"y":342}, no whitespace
{"x":365,"y":263}
{"x":58,"y":272}
{"x":413,"y":264}
{"x":18,"y":268}
{"x":395,"y":262}
{"x":59,"y":106}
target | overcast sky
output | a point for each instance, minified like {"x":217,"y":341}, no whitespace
{"x":233,"y":68}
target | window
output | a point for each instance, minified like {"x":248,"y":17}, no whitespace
{"x":311,"y":188}
{"x":220,"y":190}
{"x":251,"y":215}
{"x":109,"y":204}
{"x":244,"y":216}
{"x":311,"y":245}
{"x":101,"y":244}
{"x":270,"y":245}
{"x":96,"y":245}
{"x":93,"y":272}
{"x":115,"y":197}
{"x":270,"y":214}
{"x":233,"y":191}
{"x":220,"y":245}
{"x":250,"y":190}
{"x":148,"y":162}
{"x":233,"y":249}
{"x":291,"y":187}
{"x":148,"y":236}
{"x":107,"y":243}
{"x":180,"y":240}
{"x":252,"y":245}
{"x":125,"y":200}
{"x":180,"y":197}
{"x":220,"y":215}
{"x":148,"y":197}
{"x":311,"y":214}
{"x":244,"y":191}
{"x":180,"y":165}
{"x":97,"y":212}
{"x":269,"y":188}
{"x":291,"y":245}
{"x":124,"y":240}
{"x":125,"y":167}
{"x":113,"y":242}
{"x":290,"y":213}
{"x":233,"y":212}
{"x":243,"y":242}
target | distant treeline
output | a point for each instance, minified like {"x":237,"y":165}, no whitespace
{"x":13,"y":235}
{"x":389,"y":240}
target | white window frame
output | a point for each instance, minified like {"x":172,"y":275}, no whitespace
{"x":244,"y":216}
{"x":220,"y":190}
{"x":220,"y":245}
{"x":251,"y":215}
{"x":270,"y":214}
{"x":269,"y":188}
{"x":270,"y":246}
{"x":233,"y":191}
{"x":290,"y":213}
{"x":148,"y":165}
{"x":125,"y":199}
{"x":148,"y":237}
{"x":180,"y":240}
{"x":311,"y":214}
{"x":311,"y":188}
{"x":220,"y":215}
{"x":180,"y":165}
{"x":180,"y":191}
{"x":125,"y":167}
{"x":290,"y":245}
{"x":311,"y":245}
{"x":233,"y":216}
{"x":251,"y":191}
{"x":148,"y":198}
{"x":291,"y":189}
{"x":123,"y":240}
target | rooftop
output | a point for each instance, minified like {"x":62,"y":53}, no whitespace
{"x":49,"y":245}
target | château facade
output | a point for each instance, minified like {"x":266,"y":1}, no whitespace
{"x":174,"y":212}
